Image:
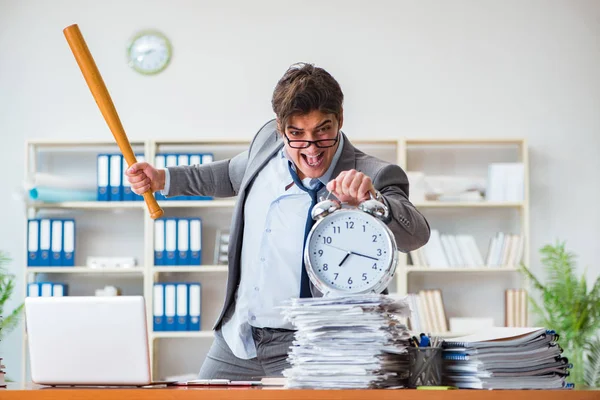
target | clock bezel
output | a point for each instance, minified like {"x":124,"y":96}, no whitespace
{"x":136,"y":37}
{"x":377,"y":287}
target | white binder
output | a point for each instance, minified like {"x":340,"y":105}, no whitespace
{"x":170,"y":302}
{"x":45,"y":240}
{"x":182,"y":307}
{"x":57,"y":243}
{"x":46,"y":290}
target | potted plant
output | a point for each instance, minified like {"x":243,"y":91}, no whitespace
{"x":567,"y":306}
{"x":8,"y":321}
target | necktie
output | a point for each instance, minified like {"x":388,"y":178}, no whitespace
{"x":304,"y":280}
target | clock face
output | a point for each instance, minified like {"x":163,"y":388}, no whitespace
{"x":149,"y":52}
{"x":351,"y":251}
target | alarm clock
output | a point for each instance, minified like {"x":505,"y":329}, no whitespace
{"x":350,"y":250}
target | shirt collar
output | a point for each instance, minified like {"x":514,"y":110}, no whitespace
{"x":311,"y":182}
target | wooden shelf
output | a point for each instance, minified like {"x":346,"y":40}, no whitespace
{"x":78,"y":143}
{"x":190,"y":268}
{"x":410,"y":268}
{"x":182,"y":334}
{"x":84,"y":270}
{"x":91,"y":205}
{"x":196,"y":203}
{"x":466,"y":204}
{"x":464,"y":141}
{"x":140,"y":205}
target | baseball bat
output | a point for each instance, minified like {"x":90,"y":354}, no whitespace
{"x":107,"y":108}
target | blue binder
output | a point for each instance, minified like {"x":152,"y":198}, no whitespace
{"x":46,"y":289}
{"x":139,"y":158}
{"x":56,"y":259}
{"x":45,"y":242}
{"x":116,"y":176}
{"x":33,"y":242}
{"x":159,"y":242}
{"x":181,"y":323}
{"x":195,"y":306}
{"x":170,"y":306}
{"x":103,"y":173}
{"x":195,"y":243}
{"x":68,"y":255}
{"x":171,"y":241}
{"x":159,"y":163}
{"x":183,"y":241}
{"x":159,"y":307}
{"x":128,"y":194}
{"x":59,"y":290}
{"x":33,"y":290}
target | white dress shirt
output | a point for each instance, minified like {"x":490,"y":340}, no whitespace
{"x":271,"y":259}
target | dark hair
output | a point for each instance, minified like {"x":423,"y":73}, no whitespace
{"x":304,"y":88}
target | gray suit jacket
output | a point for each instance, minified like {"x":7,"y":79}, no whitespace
{"x":234,"y":177}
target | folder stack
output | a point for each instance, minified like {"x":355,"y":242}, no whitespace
{"x":112,"y":181}
{"x":55,"y":188}
{"x":50,"y":242}
{"x":47,"y":289}
{"x":349,"y":342}
{"x":164,"y":160}
{"x":177,"y":241}
{"x":177,"y":306}
{"x":506,"y":358}
{"x":2,"y":380}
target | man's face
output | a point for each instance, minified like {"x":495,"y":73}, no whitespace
{"x":312,"y":162}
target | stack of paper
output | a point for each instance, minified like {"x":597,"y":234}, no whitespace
{"x":506,"y":358}
{"x":356,"y":341}
{"x":2,"y":380}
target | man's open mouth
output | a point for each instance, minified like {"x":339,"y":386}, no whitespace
{"x":314,"y":161}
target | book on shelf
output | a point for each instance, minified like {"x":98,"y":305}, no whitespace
{"x":506,"y":182}
{"x":427,"y":311}
{"x":457,"y":251}
{"x":505,"y":250}
{"x":515,"y":307}
{"x":449,"y":188}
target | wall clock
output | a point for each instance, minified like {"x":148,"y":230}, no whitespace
{"x":149,"y":52}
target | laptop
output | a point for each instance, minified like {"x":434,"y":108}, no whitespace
{"x":88,"y":341}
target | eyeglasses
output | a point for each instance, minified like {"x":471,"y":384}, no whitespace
{"x":304,"y":144}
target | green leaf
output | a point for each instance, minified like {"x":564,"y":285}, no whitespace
{"x":565,"y":304}
{"x":9,"y":323}
{"x":591,"y":374}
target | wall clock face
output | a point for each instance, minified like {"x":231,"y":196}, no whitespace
{"x":149,"y":52}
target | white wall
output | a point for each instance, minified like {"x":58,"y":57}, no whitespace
{"x":430,"y":68}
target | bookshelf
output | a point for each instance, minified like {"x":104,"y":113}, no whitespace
{"x":125,"y":229}
{"x":476,"y":290}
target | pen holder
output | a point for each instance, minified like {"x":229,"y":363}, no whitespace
{"x":425,"y":366}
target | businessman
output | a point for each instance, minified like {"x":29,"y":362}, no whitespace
{"x":299,"y":153}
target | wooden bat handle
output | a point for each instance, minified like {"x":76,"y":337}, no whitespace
{"x":107,"y":108}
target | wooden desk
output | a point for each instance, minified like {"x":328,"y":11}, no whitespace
{"x":20,"y":392}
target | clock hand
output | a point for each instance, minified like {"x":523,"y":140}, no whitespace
{"x":362,"y":255}
{"x":351,"y":252}
{"x":344,"y":259}
{"x":335,"y":247}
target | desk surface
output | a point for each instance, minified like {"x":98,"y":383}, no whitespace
{"x":32,"y":392}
